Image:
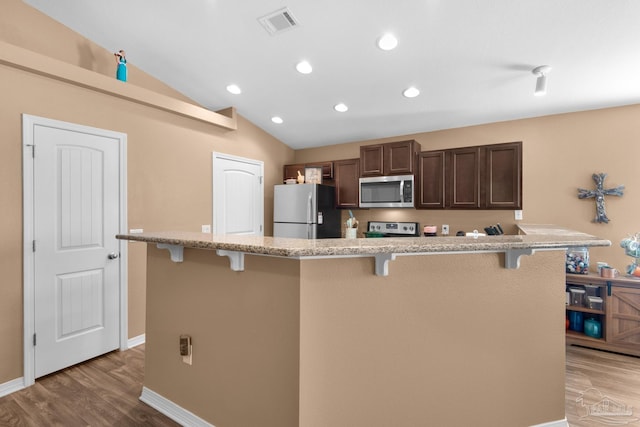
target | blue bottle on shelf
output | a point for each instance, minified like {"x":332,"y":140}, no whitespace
{"x":575,"y":321}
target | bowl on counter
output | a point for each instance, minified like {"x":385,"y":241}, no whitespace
{"x":290,"y":181}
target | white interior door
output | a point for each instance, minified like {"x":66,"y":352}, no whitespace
{"x":76,"y":260}
{"x":238,"y":195}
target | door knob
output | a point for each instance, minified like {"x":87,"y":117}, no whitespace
{"x":113,"y":255}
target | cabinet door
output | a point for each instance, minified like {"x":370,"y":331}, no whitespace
{"x":347,"y":174}
{"x":291,"y":171}
{"x":399,"y":158}
{"x":623,"y":316}
{"x":327,"y":169}
{"x":503,"y":176}
{"x":463,"y":178}
{"x":431,"y":180}
{"x":371,"y":160}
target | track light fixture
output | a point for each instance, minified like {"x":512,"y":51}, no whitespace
{"x":541,"y":81}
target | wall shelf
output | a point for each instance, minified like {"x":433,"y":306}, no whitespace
{"x":23,"y":59}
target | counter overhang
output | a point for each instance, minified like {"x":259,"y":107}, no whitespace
{"x":536,"y":237}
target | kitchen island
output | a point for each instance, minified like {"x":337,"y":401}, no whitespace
{"x":449,"y":331}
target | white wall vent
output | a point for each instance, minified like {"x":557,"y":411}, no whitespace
{"x":278,"y":21}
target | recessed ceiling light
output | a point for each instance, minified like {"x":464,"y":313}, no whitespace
{"x":277,"y":120}
{"x":387,"y":42}
{"x":304,"y":67}
{"x":411,"y":92}
{"x":234,"y":89}
{"x":341,"y":108}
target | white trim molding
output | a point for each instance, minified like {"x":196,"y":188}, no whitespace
{"x":559,"y":423}
{"x":171,"y":410}
{"x":136,"y":341}
{"x":11,"y":386}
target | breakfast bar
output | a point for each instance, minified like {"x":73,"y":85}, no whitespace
{"x":421,"y":331}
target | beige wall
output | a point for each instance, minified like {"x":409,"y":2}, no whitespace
{"x":560,"y":153}
{"x":444,"y":340}
{"x":169,"y":159}
{"x":245,"y":329}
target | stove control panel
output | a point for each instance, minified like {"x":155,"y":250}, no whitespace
{"x":399,"y":229}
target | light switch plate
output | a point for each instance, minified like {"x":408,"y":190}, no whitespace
{"x":518,"y":215}
{"x":206,"y":228}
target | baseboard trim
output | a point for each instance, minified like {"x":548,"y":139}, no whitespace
{"x":11,"y":386}
{"x":559,"y":423}
{"x":136,"y":341}
{"x":171,"y":410}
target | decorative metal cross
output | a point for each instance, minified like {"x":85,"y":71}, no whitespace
{"x":599,"y":193}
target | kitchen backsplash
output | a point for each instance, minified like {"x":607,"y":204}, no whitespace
{"x":458,"y":220}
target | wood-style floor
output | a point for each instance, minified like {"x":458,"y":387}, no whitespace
{"x":100,"y":392}
{"x":594,"y":376}
{"x":104,"y":392}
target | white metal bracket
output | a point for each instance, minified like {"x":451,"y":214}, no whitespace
{"x":176,"y":251}
{"x":235,"y":258}
{"x":382,"y":263}
{"x":512,"y":257}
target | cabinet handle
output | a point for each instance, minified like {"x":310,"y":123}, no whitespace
{"x":608,"y":288}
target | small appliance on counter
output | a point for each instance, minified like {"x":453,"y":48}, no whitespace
{"x":392,"y":229}
{"x":430,"y":230}
{"x":494,"y":230}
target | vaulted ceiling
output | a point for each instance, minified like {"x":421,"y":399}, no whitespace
{"x":471,"y":60}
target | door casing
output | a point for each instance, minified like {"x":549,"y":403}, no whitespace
{"x":28,"y":123}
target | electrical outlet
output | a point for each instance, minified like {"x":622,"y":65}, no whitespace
{"x":206,"y":228}
{"x":445,"y":229}
{"x":186,"y":349}
{"x":136,"y":231}
{"x":518,"y":215}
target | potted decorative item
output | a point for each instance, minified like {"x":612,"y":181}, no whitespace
{"x":631,"y":247}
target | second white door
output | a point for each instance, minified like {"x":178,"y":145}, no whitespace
{"x":238,"y":195}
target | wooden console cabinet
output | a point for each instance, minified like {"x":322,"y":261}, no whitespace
{"x":620,"y":314}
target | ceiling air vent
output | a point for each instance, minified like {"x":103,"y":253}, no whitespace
{"x":278,"y":21}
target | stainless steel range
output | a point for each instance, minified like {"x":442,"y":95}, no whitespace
{"x":394,"y":229}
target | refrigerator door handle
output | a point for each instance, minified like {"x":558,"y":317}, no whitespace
{"x":309,"y":207}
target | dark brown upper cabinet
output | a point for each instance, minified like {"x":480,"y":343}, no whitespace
{"x":347,"y":174}
{"x":480,"y":177}
{"x":463,"y":178}
{"x":503,"y":176}
{"x":393,"y":158}
{"x":291,"y":171}
{"x":431,"y":183}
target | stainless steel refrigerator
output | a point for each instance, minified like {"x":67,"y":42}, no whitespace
{"x":305,"y":211}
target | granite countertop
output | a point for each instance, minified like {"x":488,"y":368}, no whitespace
{"x":533,"y":237}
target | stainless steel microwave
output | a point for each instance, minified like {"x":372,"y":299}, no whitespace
{"x":387,"y":191}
